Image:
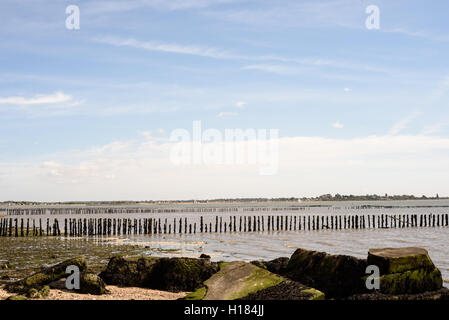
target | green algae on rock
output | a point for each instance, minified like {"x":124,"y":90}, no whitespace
{"x":171,"y":274}
{"x":286,"y":290}
{"x":238,"y":279}
{"x":405,"y":270}
{"x":47,"y":275}
{"x":396,"y":260}
{"x":92,"y":284}
{"x":336,"y":275}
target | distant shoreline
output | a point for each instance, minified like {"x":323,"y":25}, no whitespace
{"x":218,"y":202}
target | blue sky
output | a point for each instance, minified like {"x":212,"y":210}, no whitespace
{"x":77,"y":106}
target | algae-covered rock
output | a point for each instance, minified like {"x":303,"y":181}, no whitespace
{"x":128,"y":272}
{"x":47,"y":275}
{"x":336,"y":275}
{"x":171,"y":274}
{"x":16,"y":297}
{"x":33,"y":293}
{"x":44,"y":292}
{"x":278,"y":265}
{"x":92,"y":284}
{"x":198,"y":294}
{"x":413,"y":281}
{"x":396,"y":260}
{"x":181,"y":274}
{"x":405,"y":270}
{"x":286,"y":290}
{"x":238,"y":280}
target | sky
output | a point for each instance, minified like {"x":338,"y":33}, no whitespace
{"x":90,"y":113}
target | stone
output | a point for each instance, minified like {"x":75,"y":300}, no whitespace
{"x":286,"y":290}
{"x":45,"y":291}
{"x":238,"y":279}
{"x":47,"y":275}
{"x":129,"y":272}
{"x":336,"y":275}
{"x":92,"y":284}
{"x":170,"y":274}
{"x":181,"y":274}
{"x":396,"y":260}
{"x":278,"y":266}
{"x":405,"y":270}
{"x":33,"y":293}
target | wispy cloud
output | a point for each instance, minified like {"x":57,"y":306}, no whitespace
{"x":170,"y":48}
{"x":403,"y":123}
{"x":56,"y":97}
{"x":288,"y":66}
{"x":240,"y":104}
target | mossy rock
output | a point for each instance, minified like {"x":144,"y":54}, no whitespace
{"x":171,"y":274}
{"x":128,"y":272}
{"x":17,"y":298}
{"x":47,"y":275}
{"x":198,"y":294}
{"x":92,"y":284}
{"x":411,"y":282}
{"x":286,"y":290}
{"x":33,"y":293}
{"x":237,"y":280}
{"x":314,"y":294}
{"x":180,"y":274}
{"x":336,"y":275}
{"x":397,"y":260}
{"x":45,"y":291}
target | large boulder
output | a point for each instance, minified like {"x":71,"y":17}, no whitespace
{"x":92,"y":284}
{"x":278,"y":266}
{"x":181,"y":274}
{"x":405,"y":270}
{"x":171,"y":274}
{"x":47,"y":275}
{"x":336,"y":275}
{"x":129,"y":272}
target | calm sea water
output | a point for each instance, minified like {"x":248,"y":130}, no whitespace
{"x":269,"y":245}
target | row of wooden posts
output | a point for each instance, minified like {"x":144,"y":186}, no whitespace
{"x":148,"y":226}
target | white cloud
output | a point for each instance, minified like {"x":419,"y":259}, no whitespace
{"x":338,"y":125}
{"x":57,"y":97}
{"x":347,"y":89}
{"x":402,"y":124}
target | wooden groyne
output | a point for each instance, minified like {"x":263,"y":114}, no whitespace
{"x":75,"y":227}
